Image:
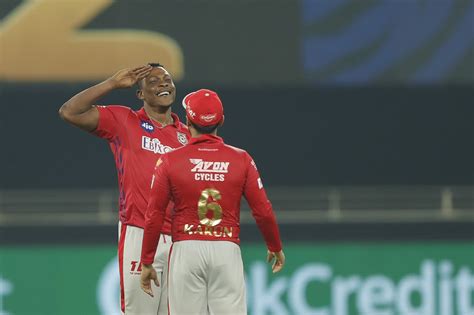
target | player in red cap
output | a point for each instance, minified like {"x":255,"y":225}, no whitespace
{"x":137,"y":139}
{"x":206,"y":180}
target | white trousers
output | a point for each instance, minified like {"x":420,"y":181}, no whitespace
{"x":206,"y":277}
{"x":132,"y":298}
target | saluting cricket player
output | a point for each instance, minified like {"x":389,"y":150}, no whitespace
{"x":137,"y":139}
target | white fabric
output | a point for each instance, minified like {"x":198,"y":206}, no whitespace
{"x":138,"y":302}
{"x":206,"y":277}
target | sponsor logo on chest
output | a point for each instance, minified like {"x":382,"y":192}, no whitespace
{"x":147,"y":126}
{"x":154,"y":145}
{"x":209,"y":170}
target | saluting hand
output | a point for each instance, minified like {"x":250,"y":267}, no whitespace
{"x":148,"y":274}
{"x":126,"y":78}
{"x":279,"y":260}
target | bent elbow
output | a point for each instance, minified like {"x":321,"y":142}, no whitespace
{"x":63,"y":113}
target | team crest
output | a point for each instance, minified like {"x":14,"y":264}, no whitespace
{"x":182,"y":138}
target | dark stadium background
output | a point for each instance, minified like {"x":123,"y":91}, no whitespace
{"x":359,"y":115}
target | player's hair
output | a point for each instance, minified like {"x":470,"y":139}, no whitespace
{"x":154,"y":65}
{"x":205,"y":130}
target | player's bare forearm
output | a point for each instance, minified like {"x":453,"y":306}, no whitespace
{"x":79,"y":110}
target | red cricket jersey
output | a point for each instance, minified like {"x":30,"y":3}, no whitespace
{"x":206,"y":180}
{"x":137,"y":142}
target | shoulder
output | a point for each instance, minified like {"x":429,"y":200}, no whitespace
{"x":235,"y":149}
{"x":116,"y":110}
{"x":241,"y":153}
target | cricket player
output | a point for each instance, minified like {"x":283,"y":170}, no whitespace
{"x":137,"y":139}
{"x":206,"y":180}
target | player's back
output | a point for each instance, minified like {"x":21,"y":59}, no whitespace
{"x":207,"y":180}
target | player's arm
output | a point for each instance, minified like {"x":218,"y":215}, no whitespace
{"x":154,"y":219}
{"x":80,"y":110}
{"x":262,"y":211}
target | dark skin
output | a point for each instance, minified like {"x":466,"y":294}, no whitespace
{"x":156,"y":90}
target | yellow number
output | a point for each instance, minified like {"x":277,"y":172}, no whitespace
{"x":204,"y":206}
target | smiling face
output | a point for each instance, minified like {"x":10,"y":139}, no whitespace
{"x":157,"y":89}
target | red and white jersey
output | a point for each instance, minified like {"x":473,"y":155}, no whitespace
{"x":137,"y":143}
{"x":206,"y":180}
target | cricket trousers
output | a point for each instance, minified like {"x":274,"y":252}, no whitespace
{"x":206,"y":277}
{"x":133,"y":301}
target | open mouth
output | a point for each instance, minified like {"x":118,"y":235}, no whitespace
{"x":164,"y":93}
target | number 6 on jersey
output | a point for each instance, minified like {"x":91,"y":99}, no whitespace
{"x":204,"y":207}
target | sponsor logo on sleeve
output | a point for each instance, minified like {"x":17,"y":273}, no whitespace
{"x":209,"y":170}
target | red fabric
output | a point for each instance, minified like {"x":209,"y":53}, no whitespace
{"x":137,"y":142}
{"x":203,"y":107}
{"x":123,"y":231}
{"x":168,"y":277}
{"x":216,"y":174}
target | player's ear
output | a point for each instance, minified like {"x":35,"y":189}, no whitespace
{"x":140,"y":94}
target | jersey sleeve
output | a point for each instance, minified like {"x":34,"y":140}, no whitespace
{"x":112,"y":119}
{"x":156,"y":210}
{"x":261,"y":207}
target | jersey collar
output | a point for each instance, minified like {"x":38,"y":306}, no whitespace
{"x":144,"y":115}
{"x":208,"y":139}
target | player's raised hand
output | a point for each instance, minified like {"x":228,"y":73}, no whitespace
{"x":126,"y":78}
{"x":148,"y":274}
{"x":279,"y":258}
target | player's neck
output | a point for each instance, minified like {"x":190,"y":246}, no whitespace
{"x":160,"y":114}
{"x":196,"y":134}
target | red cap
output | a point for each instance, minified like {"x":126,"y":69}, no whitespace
{"x":203,"y":107}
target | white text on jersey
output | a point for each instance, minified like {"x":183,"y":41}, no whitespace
{"x":154,"y":145}
{"x":209,"y":167}
{"x":209,"y":171}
